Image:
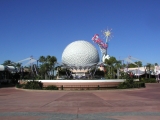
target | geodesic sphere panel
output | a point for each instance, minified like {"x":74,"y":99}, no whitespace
{"x":80,"y":53}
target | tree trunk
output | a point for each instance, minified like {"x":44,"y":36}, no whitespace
{"x":149,"y":73}
{"x":145,"y":74}
{"x":45,"y":76}
{"x":117,"y":73}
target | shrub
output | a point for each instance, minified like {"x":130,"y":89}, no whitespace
{"x":20,"y":85}
{"x":130,"y":83}
{"x":122,"y":86}
{"x":33,"y":85}
{"x":51,"y":87}
{"x":151,"y":80}
{"x":38,"y":77}
{"x":126,"y":85}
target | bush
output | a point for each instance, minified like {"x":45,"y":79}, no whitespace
{"x":126,"y":85}
{"x":20,"y":85}
{"x":33,"y":85}
{"x":51,"y":87}
{"x":151,"y":80}
{"x":130,"y":83}
{"x":38,"y":77}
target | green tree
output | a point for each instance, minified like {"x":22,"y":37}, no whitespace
{"x":131,"y":65}
{"x":51,"y":61}
{"x":18,"y":65}
{"x":8,"y":62}
{"x":139,"y":63}
{"x":156,"y":64}
{"x":110,"y":66}
{"x":47,"y":66}
{"x":118,"y":65}
{"x":42,"y":59}
{"x":43,"y":67}
{"x":148,"y":67}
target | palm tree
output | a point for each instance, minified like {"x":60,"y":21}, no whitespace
{"x":8,"y":62}
{"x":48,"y":58}
{"x":47,"y":66}
{"x":118,"y":65}
{"x":148,"y":67}
{"x":110,"y":65}
{"x":139,"y":63}
{"x":42,"y":59}
{"x":52,"y":62}
{"x":156,"y":64}
{"x":18,"y":65}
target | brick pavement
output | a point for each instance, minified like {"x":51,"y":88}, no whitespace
{"x":130,"y":104}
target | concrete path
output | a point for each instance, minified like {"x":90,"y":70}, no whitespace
{"x":131,"y":104}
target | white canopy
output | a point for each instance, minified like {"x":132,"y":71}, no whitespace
{"x":2,"y":67}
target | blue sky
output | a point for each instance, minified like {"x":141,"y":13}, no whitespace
{"x":46,"y":27}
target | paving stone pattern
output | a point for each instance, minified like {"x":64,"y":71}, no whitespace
{"x":130,"y":104}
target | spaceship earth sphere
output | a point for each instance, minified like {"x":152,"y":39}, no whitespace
{"x":80,"y":53}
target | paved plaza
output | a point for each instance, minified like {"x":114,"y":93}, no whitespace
{"x":130,"y":104}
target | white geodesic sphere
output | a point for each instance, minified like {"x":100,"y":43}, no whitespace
{"x":80,"y":53}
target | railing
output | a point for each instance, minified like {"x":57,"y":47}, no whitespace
{"x":86,"y":87}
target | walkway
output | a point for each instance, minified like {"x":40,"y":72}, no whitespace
{"x":132,"y":104}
